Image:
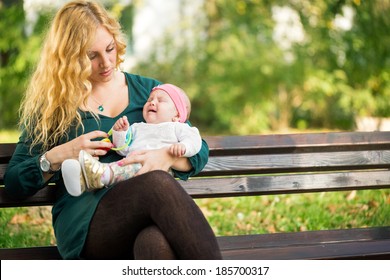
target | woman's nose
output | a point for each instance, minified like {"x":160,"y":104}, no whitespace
{"x":104,"y":62}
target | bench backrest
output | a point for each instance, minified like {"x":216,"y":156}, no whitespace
{"x":271,"y":164}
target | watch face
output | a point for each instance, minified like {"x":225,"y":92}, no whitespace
{"x":45,"y":165}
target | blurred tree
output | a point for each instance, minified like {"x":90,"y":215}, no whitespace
{"x":247,"y":76}
{"x":368,"y":57}
{"x":347,"y":58}
{"x":20,"y":45}
{"x":12,"y":64}
{"x":249,"y":66}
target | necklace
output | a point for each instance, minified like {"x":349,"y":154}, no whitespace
{"x":100,"y":107}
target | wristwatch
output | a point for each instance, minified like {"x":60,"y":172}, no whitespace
{"x":46,"y":165}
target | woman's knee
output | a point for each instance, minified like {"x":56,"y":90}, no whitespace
{"x":160,"y":175}
{"x":164,"y":187}
{"x":160,"y":179}
{"x":152,"y":244}
{"x":157,"y":186}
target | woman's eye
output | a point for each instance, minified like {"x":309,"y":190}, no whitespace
{"x":91,"y":56}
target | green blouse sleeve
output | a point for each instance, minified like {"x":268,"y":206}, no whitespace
{"x":23,"y":176}
{"x":197,"y":161}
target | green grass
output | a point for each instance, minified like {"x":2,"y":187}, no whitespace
{"x":9,"y":136}
{"x":21,"y":227}
{"x":234,"y":216}
{"x":297,"y":212}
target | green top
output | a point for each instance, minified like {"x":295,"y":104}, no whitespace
{"x":72,"y":215}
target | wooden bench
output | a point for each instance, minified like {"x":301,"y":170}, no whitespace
{"x":273,"y":164}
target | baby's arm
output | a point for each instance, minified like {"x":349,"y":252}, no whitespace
{"x":188,"y":138}
{"x":120,"y":133}
{"x":177,"y":150}
{"x":122,"y":124}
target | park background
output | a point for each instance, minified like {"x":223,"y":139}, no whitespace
{"x":249,"y":67}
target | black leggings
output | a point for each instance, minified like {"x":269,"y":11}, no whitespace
{"x":149,"y":217}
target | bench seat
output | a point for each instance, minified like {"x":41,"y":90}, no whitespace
{"x":258,"y":165}
{"x":365,"y":243}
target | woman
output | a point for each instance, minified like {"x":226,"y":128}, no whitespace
{"x":75,"y":95}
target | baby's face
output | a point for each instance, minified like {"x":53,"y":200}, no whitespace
{"x":159,"y":108}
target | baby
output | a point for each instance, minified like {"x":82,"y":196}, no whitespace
{"x":165,"y":113}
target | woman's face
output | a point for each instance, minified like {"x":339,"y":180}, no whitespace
{"x":103,"y":56}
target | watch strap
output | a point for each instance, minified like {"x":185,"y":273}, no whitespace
{"x":50,"y":171}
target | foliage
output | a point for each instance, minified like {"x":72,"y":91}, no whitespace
{"x":20,"y":44}
{"x":246,"y":81}
{"x":18,"y":54}
{"x":243,"y":71}
{"x":12,"y":70}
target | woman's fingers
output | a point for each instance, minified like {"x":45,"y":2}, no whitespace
{"x":88,"y":143}
{"x":134,"y":157}
{"x":150,"y":160}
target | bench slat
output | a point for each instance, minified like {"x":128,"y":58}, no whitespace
{"x":304,"y":238}
{"x":301,"y":142}
{"x":273,"y":145}
{"x":378,"y":249}
{"x":32,"y":253}
{"x":45,"y":196}
{"x":372,"y":243}
{"x":286,"y":184}
{"x":307,"y":162}
{"x":245,"y":186}
{"x":6,"y":151}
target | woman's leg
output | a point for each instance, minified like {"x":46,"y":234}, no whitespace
{"x":151,"y":244}
{"x":152,"y":199}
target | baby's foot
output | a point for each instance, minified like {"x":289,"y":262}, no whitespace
{"x":73,"y":177}
{"x":92,"y":170}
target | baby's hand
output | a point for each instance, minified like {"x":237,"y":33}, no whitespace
{"x":177,"y":150}
{"x":122,"y":124}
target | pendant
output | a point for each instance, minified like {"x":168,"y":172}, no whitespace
{"x":100,"y":108}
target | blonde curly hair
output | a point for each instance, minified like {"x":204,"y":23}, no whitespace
{"x":60,"y":86}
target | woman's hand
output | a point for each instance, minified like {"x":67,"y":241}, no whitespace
{"x":160,"y":159}
{"x":72,"y":148}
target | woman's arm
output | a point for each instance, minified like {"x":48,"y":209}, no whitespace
{"x":162,"y":159}
{"x":24,"y":176}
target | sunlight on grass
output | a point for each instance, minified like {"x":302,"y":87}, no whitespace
{"x":9,"y":136}
{"x":297,"y":212}
{"x":235,"y":216}
{"x":23,"y":227}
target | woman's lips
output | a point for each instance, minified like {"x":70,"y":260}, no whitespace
{"x":106,"y":73}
